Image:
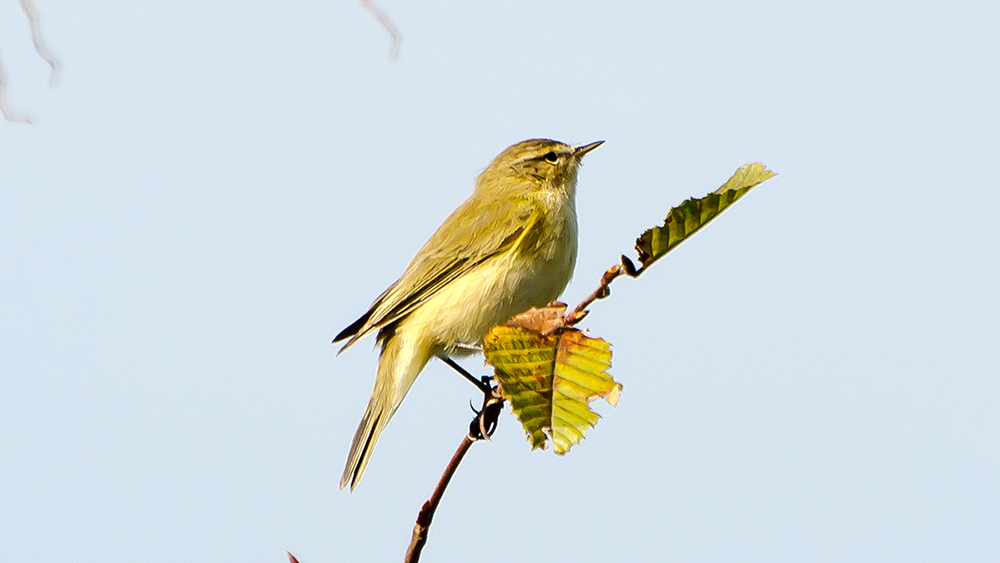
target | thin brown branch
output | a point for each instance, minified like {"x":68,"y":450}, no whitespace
{"x":480,"y":428}
{"x":427,"y":510}
{"x":397,"y":38}
{"x":602,"y":291}
{"x":36,"y":36}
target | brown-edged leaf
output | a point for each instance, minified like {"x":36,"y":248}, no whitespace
{"x":550,"y":380}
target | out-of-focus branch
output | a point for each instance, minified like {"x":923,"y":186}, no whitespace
{"x":397,"y":38}
{"x":36,"y":36}
{"x":7,"y":113}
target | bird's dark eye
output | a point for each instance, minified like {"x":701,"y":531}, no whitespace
{"x":551,"y":157}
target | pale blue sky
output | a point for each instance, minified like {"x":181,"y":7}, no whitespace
{"x":213,"y":190}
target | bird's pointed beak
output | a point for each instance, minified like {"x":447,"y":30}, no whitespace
{"x":581,"y":150}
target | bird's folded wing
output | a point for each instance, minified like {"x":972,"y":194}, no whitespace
{"x":470,"y":236}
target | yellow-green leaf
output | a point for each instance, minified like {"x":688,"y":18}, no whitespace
{"x":550,"y":379}
{"x":524,"y":361}
{"x":693,"y":214}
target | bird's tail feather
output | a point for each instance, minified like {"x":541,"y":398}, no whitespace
{"x":399,"y":364}
{"x":365,"y":438}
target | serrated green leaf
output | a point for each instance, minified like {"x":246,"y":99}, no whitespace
{"x":580,"y":376}
{"x":550,"y":380}
{"x":693,"y":214}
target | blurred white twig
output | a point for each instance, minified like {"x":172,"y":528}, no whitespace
{"x":7,"y":113}
{"x":36,"y":36}
{"x":383,"y":19}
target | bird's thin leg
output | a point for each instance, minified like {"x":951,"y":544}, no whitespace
{"x":481,"y":385}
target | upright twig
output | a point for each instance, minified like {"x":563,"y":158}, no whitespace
{"x":604,"y":290}
{"x":427,"y":510}
{"x":481,"y":428}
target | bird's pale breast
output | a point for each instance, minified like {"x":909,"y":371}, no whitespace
{"x":459,"y":315}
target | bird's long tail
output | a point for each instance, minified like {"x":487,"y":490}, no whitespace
{"x":399,"y":364}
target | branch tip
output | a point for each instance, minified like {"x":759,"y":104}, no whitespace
{"x":603,"y":291}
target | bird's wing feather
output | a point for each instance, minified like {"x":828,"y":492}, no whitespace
{"x":449,"y":254}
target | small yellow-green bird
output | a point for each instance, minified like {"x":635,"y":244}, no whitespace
{"x":509,"y":247}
